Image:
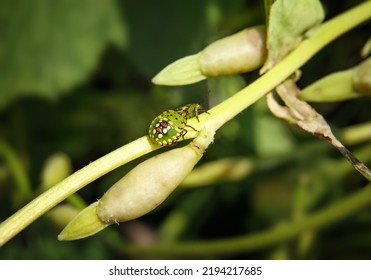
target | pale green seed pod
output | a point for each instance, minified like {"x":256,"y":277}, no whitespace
{"x":151,"y":182}
{"x":334,"y":87}
{"x":57,"y":167}
{"x":239,"y":53}
{"x":362,"y":77}
{"x":141,"y":190}
{"x":342,"y":85}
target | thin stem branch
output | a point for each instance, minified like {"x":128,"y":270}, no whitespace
{"x":23,"y":184}
{"x":259,"y":240}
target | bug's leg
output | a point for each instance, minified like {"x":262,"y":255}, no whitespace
{"x":183,"y":133}
{"x":197,"y":112}
{"x":191,"y":127}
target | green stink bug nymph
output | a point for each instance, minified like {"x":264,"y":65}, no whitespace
{"x":167,"y":128}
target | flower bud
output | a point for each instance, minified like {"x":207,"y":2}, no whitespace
{"x":342,"y":85}
{"x":241,"y":52}
{"x":151,"y":182}
{"x":362,"y":77}
{"x":334,"y":87}
{"x":56,"y":168}
{"x":139,"y":191}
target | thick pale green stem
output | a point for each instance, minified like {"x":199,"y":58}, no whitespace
{"x":70,"y":185}
{"x":216,"y":118}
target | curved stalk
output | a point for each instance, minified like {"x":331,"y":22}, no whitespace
{"x":217,"y":116}
{"x":259,"y":240}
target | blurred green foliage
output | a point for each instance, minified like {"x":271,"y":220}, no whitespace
{"x":75,"y":78}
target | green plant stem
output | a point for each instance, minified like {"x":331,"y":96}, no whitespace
{"x":24,"y":191}
{"x":338,"y":210}
{"x":217,"y":116}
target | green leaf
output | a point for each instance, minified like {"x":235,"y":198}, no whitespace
{"x":267,"y":8}
{"x":289,"y":21}
{"x":47,"y":47}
